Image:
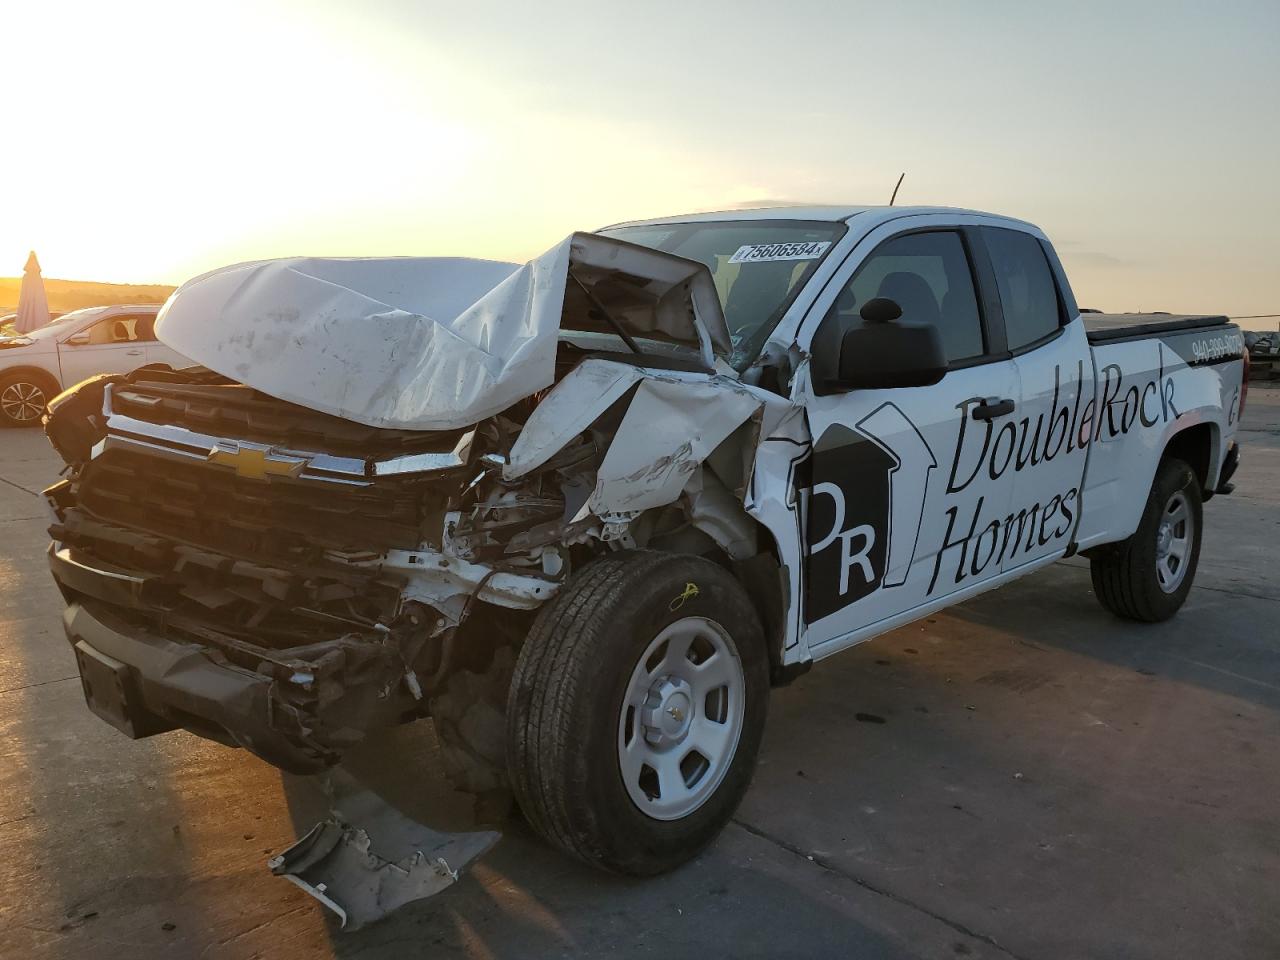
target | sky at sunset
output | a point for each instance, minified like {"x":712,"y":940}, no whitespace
{"x":147,"y":142}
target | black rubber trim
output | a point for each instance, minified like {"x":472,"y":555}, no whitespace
{"x":984,"y":278}
{"x":1105,"y":328}
{"x":1229,"y":467}
{"x":1037,"y":344}
{"x":781,"y":675}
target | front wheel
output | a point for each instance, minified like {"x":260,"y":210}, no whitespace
{"x":23,"y":397}
{"x":636,"y":711}
{"x":1148,"y":576}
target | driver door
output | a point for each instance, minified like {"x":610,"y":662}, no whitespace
{"x":900,"y":504}
{"x":111,"y":345}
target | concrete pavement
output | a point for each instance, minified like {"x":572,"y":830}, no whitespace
{"x":1021,"y":776}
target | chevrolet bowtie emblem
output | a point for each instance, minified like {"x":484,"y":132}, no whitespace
{"x":256,"y":463}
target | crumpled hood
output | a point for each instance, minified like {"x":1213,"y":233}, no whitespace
{"x":431,"y":343}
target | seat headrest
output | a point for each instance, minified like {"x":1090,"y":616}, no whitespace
{"x":913,"y":294}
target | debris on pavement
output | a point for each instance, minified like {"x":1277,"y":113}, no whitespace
{"x":367,"y":859}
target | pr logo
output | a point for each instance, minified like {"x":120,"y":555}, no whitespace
{"x":865,"y":509}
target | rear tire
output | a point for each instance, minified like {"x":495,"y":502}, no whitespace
{"x":23,"y":398}
{"x":642,"y":664}
{"x":1147,"y":577}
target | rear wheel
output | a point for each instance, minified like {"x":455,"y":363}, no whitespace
{"x":1148,"y":576}
{"x":23,"y":397}
{"x":636,"y":711}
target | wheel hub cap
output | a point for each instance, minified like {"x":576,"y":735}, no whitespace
{"x":1174,"y":538}
{"x":22,"y":401}
{"x":668,"y":711}
{"x":680,"y":718}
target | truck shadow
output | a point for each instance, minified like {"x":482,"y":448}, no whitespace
{"x":1018,"y":680}
{"x":524,"y":899}
{"x":1218,"y":641}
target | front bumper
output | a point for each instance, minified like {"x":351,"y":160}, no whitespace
{"x":144,"y":684}
{"x":144,"y":679}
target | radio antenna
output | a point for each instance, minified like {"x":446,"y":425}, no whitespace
{"x":895,"y":187}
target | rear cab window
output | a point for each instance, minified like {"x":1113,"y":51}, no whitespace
{"x":1028,"y":295}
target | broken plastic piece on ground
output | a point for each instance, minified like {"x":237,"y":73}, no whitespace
{"x":368,"y":859}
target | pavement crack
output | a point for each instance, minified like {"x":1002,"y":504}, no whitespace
{"x":1229,"y":673}
{"x":38,"y":683}
{"x":232,"y":938}
{"x":1237,"y":593}
{"x":19,"y":486}
{"x":873,"y":888}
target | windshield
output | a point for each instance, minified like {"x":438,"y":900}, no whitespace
{"x":84,"y":313}
{"x":758,"y":266}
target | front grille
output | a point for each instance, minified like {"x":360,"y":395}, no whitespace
{"x":208,"y":403}
{"x":278,"y":519}
{"x":261,"y":519}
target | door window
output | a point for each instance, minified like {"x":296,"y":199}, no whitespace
{"x":1028,"y":296}
{"x":928,"y":276}
{"x":121,"y":329}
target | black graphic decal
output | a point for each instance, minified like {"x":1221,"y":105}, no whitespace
{"x":865,"y":482}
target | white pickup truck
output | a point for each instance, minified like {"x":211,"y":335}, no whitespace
{"x":587,"y":510}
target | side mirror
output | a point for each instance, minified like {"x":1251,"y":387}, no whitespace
{"x":78,"y":339}
{"x":884,"y":353}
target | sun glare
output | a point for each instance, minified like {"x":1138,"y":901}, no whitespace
{"x":245,"y":131}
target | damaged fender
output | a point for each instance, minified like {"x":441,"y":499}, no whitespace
{"x":674,"y":421}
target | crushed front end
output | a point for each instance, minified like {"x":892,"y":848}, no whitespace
{"x":277,"y":578}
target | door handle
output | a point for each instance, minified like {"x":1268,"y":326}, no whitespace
{"x":133,"y":353}
{"x":993,"y":407}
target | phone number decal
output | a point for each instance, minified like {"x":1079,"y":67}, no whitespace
{"x":1215,"y":348}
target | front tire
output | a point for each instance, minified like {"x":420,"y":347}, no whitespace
{"x":636,"y":711}
{"x":1148,"y":576}
{"x":23,"y":398}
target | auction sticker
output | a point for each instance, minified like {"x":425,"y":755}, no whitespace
{"x":768,"y":252}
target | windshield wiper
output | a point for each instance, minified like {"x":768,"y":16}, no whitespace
{"x":604,"y":314}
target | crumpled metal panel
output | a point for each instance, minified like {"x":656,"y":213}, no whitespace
{"x":428,"y":343}
{"x":671,"y":426}
{"x":673,"y":422}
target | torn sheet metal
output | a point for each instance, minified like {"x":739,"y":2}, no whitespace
{"x":367,"y":859}
{"x":448,"y":582}
{"x":715,"y":511}
{"x":772,"y":500}
{"x":431,"y":343}
{"x":677,"y":301}
{"x":587,"y":391}
{"x":671,"y":426}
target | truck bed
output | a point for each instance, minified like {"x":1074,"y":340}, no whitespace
{"x":1113,"y":327}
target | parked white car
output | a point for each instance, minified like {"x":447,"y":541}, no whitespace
{"x":36,"y":367}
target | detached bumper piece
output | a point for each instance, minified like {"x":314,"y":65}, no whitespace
{"x":362,"y":873}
